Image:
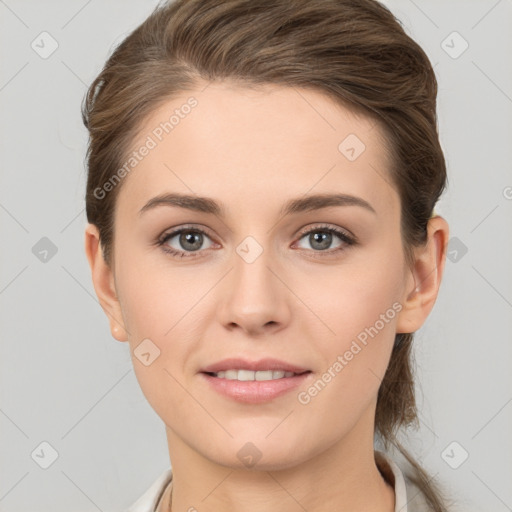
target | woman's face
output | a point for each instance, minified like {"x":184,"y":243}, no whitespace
{"x":260,"y":274}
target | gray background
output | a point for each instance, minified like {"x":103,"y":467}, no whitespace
{"x":66,"y":382}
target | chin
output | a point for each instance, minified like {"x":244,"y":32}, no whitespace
{"x":258,"y":455}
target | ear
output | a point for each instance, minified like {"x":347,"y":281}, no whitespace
{"x":424,"y":279}
{"x":104,"y":285}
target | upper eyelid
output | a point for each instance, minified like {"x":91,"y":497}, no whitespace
{"x":178,"y":230}
{"x":326,"y":227}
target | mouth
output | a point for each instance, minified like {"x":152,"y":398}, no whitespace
{"x":250,"y":375}
{"x":254,"y":382}
{"x":246,"y":368}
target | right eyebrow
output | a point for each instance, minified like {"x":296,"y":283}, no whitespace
{"x":196,"y":203}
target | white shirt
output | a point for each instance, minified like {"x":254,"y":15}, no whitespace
{"x":406,"y":493}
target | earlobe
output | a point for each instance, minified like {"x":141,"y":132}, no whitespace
{"x":424,"y":279}
{"x":104,"y":285}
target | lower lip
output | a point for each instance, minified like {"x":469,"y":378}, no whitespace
{"x":255,"y":391}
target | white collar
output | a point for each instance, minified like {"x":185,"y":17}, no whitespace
{"x":393,"y":474}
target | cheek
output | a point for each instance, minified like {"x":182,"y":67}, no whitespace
{"x":157,"y":309}
{"x":359,"y":307}
{"x":355,"y":358}
{"x":155,"y":297}
{"x":164,"y":315}
{"x":351,"y":299}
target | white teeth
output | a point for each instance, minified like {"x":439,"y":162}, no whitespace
{"x":264,"y":375}
{"x":245,"y":375}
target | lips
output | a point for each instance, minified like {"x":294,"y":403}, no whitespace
{"x":254,"y":382}
{"x":254,"y":391}
{"x":263,"y":365}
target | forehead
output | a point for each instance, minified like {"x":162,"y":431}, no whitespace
{"x":238,"y":143}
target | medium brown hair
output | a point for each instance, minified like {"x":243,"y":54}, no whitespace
{"x":354,"y":51}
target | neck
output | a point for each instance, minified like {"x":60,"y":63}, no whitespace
{"x":343,"y":477}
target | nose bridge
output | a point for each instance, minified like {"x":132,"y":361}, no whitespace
{"x":252,"y":279}
{"x":254,"y":297}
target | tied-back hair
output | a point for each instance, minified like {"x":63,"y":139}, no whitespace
{"x":353,"y":51}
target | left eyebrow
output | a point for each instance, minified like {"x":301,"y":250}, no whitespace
{"x":303,"y":204}
{"x":318,"y":201}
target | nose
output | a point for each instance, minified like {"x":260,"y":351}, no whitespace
{"x":254,"y":297}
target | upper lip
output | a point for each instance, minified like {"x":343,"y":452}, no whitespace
{"x":260,"y":365}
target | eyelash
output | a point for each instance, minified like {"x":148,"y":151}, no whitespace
{"x":348,"y":240}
